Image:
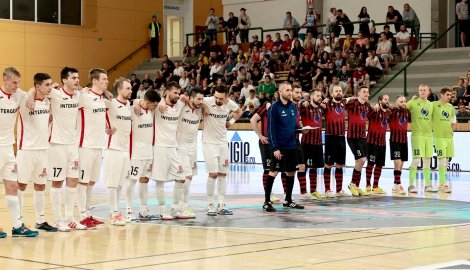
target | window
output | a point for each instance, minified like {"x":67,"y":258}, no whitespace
{"x":4,"y":9}
{"x":23,"y":10}
{"x":48,"y":11}
{"x":71,"y":12}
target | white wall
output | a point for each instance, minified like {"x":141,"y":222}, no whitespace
{"x":377,"y":10}
{"x":178,"y":8}
{"x":188,"y":20}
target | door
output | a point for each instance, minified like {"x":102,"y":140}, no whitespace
{"x":175,"y":42}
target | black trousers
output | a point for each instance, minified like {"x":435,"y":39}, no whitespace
{"x":154,"y":47}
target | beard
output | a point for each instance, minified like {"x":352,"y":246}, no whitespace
{"x":338,"y":97}
{"x":385,"y":106}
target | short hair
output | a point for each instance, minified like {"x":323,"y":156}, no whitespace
{"x":360,"y":88}
{"x":461,"y":104}
{"x":172,"y":84}
{"x":400,"y":96}
{"x":152,"y":96}
{"x":220,"y":89}
{"x":288,"y":12}
{"x":196,"y":90}
{"x":10,"y":72}
{"x":94,"y":73}
{"x":40,"y":77}
{"x":422,"y":85}
{"x":120,"y":82}
{"x":284,"y":84}
{"x":66,"y":72}
{"x":381,"y":97}
{"x":133,"y":74}
{"x":445,"y":90}
{"x":212,"y":9}
{"x":314,"y":90}
{"x":251,"y":91}
{"x":297,"y":87}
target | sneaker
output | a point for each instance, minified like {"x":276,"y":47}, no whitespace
{"x":145,"y":215}
{"x":179,"y":214}
{"x":116,"y":219}
{"x":275,"y":199}
{"x":343,"y":193}
{"x":130,"y":217}
{"x":378,"y":191}
{"x":430,"y":188}
{"x":164,"y":215}
{"x":329,"y":194}
{"x":211,"y":210}
{"x":188,"y":212}
{"x":222,"y":209}
{"x":398,"y":189}
{"x":2,"y":233}
{"x":369,"y":190}
{"x":23,"y":231}
{"x":268,"y":207}
{"x":318,"y":195}
{"x":412,"y":189}
{"x":62,"y":226}
{"x":73,"y":224}
{"x":95,"y":221}
{"x":362,"y":192}
{"x":445,"y":188}
{"x":353,"y":189}
{"x":307,"y":197}
{"x":292,"y":205}
{"x":88,"y":222}
{"x":46,"y":227}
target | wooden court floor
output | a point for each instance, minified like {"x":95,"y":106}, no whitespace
{"x":160,"y":246}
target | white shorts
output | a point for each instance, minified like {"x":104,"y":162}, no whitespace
{"x":90,"y":164}
{"x":388,"y":56}
{"x":32,"y":166}
{"x":216,"y":157}
{"x":116,"y":166}
{"x":8,"y":169}
{"x":189,"y":161}
{"x":140,"y":168}
{"x":167,"y":164}
{"x":63,"y":161}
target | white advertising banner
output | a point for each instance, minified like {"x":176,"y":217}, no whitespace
{"x":243,"y":148}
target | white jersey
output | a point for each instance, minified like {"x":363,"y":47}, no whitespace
{"x":91,"y":120}
{"x":188,"y":127}
{"x":64,"y":110}
{"x":142,"y":135}
{"x":119,"y":117}
{"x":215,"y":130}
{"x":166,"y":124}
{"x":33,"y":129}
{"x":9,"y":105}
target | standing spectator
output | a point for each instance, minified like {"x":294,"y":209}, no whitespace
{"x":223,"y":26}
{"x":384,"y":51}
{"x":211,"y":23}
{"x":394,"y":16}
{"x":403,"y":41}
{"x":343,"y":19}
{"x":135,"y":83}
{"x":243,"y":25}
{"x":291,"y":24}
{"x":462,"y":15}
{"x":364,"y":18}
{"x":310,"y":20}
{"x":331,"y":23}
{"x":411,"y":20}
{"x":154,"y":34}
{"x":232,"y":24}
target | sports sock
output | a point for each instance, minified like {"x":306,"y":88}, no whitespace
{"x":81,"y":200}
{"x":185,"y":200}
{"x":268,"y":189}
{"x":369,"y":169}
{"x":210,"y":189}
{"x":413,"y":171}
{"x":69,"y":201}
{"x":221,"y":188}
{"x":327,"y":178}
{"x":160,"y":193}
{"x":356,"y":177}
{"x":177,"y":193}
{"x":56,"y":203}
{"x":39,"y":204}
{"x":89,"y":190}
{"x":265,"y":177}
{"x":284,"y":182}
{"x":442,"y":175}
{"x":290,"y":187}
{"x":313,"y":179}
{"x":302,"y":182}
{"x":143,"y":195}
{"x":130,"y":194}
{"x":113,"y":200}
{"x":397,"y":177}
{"x":119,"y":193}
{"x":13,"y":203}
{"x":21,"y":201}
{"x":427,"y":176}
{"x":377,"y":173}
{"x":339,"y":179}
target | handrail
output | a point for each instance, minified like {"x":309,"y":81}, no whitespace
{"x":219,"y":31}
{"x":404,"y":68}
{"x":128,"y":57}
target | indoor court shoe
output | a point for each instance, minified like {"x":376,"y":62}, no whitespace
{"x":378,"y":191}
{"x":62,"y":226}
{"x":145,"y":215}
{"x":23,"y":231}
{"x":73,"y":224}
{"x":318,"y":195}
{"x":445,"y":188}
{"x":329,"y":194}
{"x":46,"y":227}
{"x":189,"y":213}
{"x":2,"y":233}
{"x":362,"y":192}
{"x":369,"y":190}
{"x":307,"y":197}
{"x":412,"y":189}
{"x":178,"y":214}
{"x":95,"y":221}
{"x":430,"y":188}
{"x":211,"y":210}
{"x":343,"y":193}
{"x":398,"y":189}
{"x":164,"y":215}
{"x":275,"y":199}
{"x":116,"y":219}
{"x":222,"y":209}
{"x":130,"y":217}
{"x":353,"y":189}
{"x":268,"y":207}
{"x":292,"y":205}
{"x":88,"y":222}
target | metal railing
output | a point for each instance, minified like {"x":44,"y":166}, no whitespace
{"x":404,"y":68}
{"x":129,"y":57}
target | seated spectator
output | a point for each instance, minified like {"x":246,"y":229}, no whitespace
{"x":159,"y":80}
{"x":373,"y":66}
{"x":324,"y":91}
{"x":168,"y":60}
{"x":297,"y":49}
{"x":267,"y":71}
{"x":267,"y":86}
{"x":291,"y":24}
{"x":287,"y":44}
{"x":343,"y":20}
{"x":177,"y":72}
{"x":338,"y":60}
{"x":255,"y":42}
{"x":394,"y":16}
{"x":202,"y":72}
{"x":229,"y":78}
{"x":241,"y":63}
{"x":352,"y":60}
{"x":364,"y":49}
{"x":167,"y":71}
{"x":233,"y":45}
{"x":336,"y":82}
{"x":403,"y":42}
{"x":361,"y":40}
{"x":263,"y":98}
{"x":251,"y":101}
{"x":330,"y":72}
{"x":278,"y":59}
{"x":245,"y":91}
{"x":191,"y":86}
{"x":461,"y":95}
{"x":309,"y":50}
{"x":264,"y":51}
{"x":135,"y":84}
{"x":309,"y":38}
{"x":269,"y":43}
{"x":347,"y":45}
{"x":235,"y":87}
{"x":374,"y":37}
{"x":332,"y":41}
{"x":206,"y":88}
{"x":384,"y":51}
{"x":463,"y":115}
{"x":278,"y":42}
{"x":147,"y":82}
{"x":324,"y":60}
{"x":360,"y":77}
{"x":411,"y":20}
{"x":203,"y":58}
{"x":243,"y":75}
{"x":192,"y":58}
{"x":184,"y":80}
{"x":241,"y":55}
{"x":216,"y":71}
{"x":293,"y":62}
{"x":202,"y":46}
{"x":345,"y":75}
{"x":318,"y":77}
{"x":320,"y":37}
{"x":323,"y":48}
{"x":255,"y":54}
{"x":256,"y":76}
{"x":391,"y":37}
{"x":293,"y":75}
{"x":266,"y":62}
{"x":432,"y":96}
{"x":141,"y":92}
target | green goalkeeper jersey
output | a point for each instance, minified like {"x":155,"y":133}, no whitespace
{"x":421,"y":113}
{"x":442,"y":116}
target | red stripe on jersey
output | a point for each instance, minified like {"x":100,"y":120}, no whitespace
{"x":335,"y":118}
{"x":297,"y":119}
{"x":108,"y":123}
{"x":8,"y":95}
{"x":82,"y":133}
{"x":312,"y":116}
{"x":263,"y":114}
{"x":153,"y":139}
{"x":22,"y":131}
{"x":130,"y":146}
{"x":50,"y":135}
{"x":378,"y":121}
{"x":357,"y":118}
{"x":399,"y":119}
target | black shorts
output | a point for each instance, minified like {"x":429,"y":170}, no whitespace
{"x":313,"y":155}
{"x":398,"y":151}
{"x":376,"y":154}
{"x":358,"y":147}
{"x":287,"y":163}
{"x":335,"y":150}
{"x":300,"y":154}
{"x":464,"y":25}
{"x":266,"y":153}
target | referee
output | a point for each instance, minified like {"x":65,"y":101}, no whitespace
{"x":281,"y":135}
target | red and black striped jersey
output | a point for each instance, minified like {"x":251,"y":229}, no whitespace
{"x":378,"y":121}
{"x":298,"y":118}
{"x":312,"y":116}
{"x":335,"y":117}
{"x":263,"y":114}
{"x":357,"y":118}
{"x":399,"y":119}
